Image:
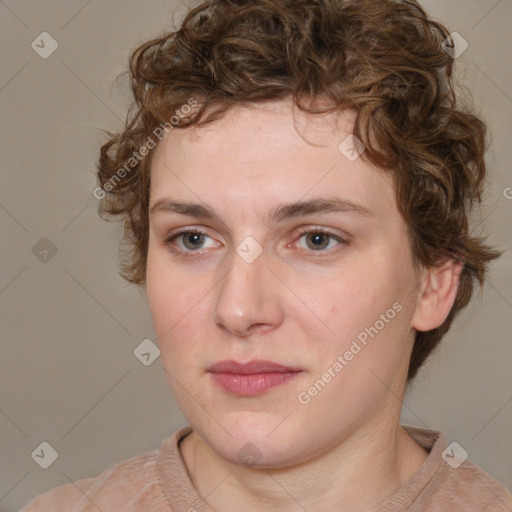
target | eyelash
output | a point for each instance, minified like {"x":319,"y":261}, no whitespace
{"x":169,"y":242}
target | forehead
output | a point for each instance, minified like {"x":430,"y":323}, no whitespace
{"x":262,"y":155}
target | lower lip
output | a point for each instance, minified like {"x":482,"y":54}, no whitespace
{"x":251,"y":384}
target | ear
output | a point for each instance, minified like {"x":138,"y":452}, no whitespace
{"x":439,"y":289}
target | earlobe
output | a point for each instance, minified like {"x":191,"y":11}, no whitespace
{"x":439,"y":289}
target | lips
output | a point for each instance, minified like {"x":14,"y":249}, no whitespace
{"x":251,"y":378}
{"x":252,"y":367}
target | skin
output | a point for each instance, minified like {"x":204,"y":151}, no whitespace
{"x":345,"y":449}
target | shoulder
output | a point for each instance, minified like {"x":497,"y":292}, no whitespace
{"x":116,"y":486}
{"x":448,"y":481}
{"x":469,"y":487}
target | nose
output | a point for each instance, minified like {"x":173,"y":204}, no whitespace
{"x":248,"y":299}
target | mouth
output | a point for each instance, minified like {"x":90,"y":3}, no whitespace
{"x":252,"y":378}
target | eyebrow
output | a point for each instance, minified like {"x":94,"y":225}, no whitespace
{"x":277,"y":214}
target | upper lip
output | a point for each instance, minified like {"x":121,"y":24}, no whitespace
{"x":251,"y":367}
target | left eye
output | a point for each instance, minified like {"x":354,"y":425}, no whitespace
{"x":319,"y":240}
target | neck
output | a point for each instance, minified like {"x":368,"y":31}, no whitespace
{"x":358,"y":474}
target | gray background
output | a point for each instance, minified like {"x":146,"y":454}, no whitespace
{"x":68,"y":375}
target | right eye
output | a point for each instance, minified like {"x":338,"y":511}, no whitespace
{"x":187,"y":241}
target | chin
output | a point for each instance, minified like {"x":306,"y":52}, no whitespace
{"x":257,"y":440}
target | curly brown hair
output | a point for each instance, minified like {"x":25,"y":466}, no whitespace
{"x":382,"y":58}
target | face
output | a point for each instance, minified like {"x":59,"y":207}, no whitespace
{"x":281,"y":326}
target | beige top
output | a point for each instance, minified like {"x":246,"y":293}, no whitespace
{"x":158,"y":482}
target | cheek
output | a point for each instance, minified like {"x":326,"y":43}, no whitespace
{"x":171,"y":299}
{"x":349,"y":301}
{"x":369,"y":304}
{"x":180,"y":305}
{"x":160,"y":295}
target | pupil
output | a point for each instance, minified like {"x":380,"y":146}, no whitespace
{"x":193,"y":239}
{"x":317,"y":238}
